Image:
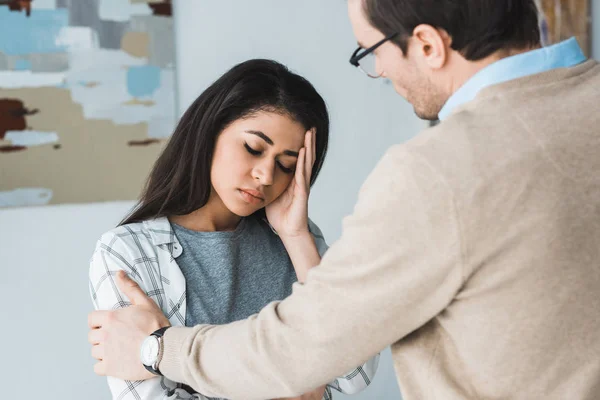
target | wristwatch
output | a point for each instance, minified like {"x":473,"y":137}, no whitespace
{"x":152,"y":350}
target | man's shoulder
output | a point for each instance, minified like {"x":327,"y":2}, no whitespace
{"x":462,"y":127}
{"x":448,"y":140}
{"x":455,"y":151}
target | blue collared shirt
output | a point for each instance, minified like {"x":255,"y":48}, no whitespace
{"x":561,"y":55}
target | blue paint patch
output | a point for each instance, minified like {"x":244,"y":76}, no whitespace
{"x":22,"y":65}
{"x":34,"y":34}
{"x":143,"y":80}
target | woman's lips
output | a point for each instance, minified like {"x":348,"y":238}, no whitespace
{"x":251,"y":196}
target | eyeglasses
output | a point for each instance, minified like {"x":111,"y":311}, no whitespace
{"x":365,"y":60}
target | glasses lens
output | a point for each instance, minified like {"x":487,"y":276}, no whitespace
{"x":367,"y":65}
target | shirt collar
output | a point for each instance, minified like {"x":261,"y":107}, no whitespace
{"x":561,"y":55}
{"x":161,"y":233}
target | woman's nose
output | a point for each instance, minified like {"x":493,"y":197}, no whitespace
{"x":263,"y":174}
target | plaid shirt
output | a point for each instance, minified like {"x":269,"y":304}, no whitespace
{"x":147,"y":251}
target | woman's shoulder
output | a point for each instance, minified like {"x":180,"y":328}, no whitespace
{"x":123,"y":233}
{"x":139,"y":236}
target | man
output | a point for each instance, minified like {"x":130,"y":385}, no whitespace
{"x":476,"y":244}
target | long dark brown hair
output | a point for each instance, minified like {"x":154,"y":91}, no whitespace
{"x":179,"y":182}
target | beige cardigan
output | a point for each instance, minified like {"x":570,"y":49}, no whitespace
{"x":474,"y":250}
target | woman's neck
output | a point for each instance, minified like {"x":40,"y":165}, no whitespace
{"x":213,"y":217}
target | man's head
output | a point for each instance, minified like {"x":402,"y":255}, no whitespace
{"x":439,"y":44}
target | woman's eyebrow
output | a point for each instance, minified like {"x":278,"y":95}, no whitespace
{"x":270,"y":142}
{"x":262,"y":136}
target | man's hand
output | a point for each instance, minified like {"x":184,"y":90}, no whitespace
{"x":316,"y":394}
{"x":116,"y":336}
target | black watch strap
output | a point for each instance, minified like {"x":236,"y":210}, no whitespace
{"x":159,"y":334}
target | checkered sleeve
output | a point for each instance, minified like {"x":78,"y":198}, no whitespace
{"x":357,"y":379}
{"x":361,"y":377}
{"x":111,"y":255}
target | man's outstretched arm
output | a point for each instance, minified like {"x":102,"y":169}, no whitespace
{"x":396,"y":266}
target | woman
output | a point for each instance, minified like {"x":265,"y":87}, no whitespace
{"x":222,"y":228}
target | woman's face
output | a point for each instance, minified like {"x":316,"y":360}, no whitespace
{"x":254,"y":161}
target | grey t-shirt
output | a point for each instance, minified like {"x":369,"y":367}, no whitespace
{"x":232,"y":275}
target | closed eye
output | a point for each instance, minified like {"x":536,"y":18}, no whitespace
{"x":284,"y":169}
{"x":251,"y":150}
{"x":257,"y":153}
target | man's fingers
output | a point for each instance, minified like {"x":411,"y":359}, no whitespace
{"x":131,"y":289}
{"x":100,"y":368}
{"x":97,"y":319}
{"x":96,"y":336}
{"x":98,"y":352}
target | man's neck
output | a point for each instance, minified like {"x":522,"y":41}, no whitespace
{"x":467,"y":69}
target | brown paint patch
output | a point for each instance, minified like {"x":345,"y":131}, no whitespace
{"x":136,"y":102}
{"x":91,"y":84}
{"x":18,"y":5}
{"x":142,"y":142}
{"x":164,"y":9}
{"x":12,"y":116}
{"x":11,"y":149}
{"x":136,"y":44}
{"x":95,"y":162}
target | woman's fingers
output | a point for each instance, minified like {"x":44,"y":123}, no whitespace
{"x":314,"y":146}
{"x":308,"y":145}
{"x":299,"y":176}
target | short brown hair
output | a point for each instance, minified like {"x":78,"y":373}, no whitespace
{"x":478,"y":27}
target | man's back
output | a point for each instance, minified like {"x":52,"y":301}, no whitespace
{"x":522,"y":162}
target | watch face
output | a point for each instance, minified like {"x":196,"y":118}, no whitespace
{"x":149,"y":351}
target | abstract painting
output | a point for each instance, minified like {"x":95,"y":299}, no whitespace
{"x":87,"y":98}
{"x":562,"y":19}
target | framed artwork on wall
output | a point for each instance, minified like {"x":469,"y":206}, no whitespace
{"x":87,"y":98}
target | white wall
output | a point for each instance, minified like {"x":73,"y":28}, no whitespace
{"x":44,"y":252}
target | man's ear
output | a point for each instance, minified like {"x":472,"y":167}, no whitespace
{"x":431,"y":45}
